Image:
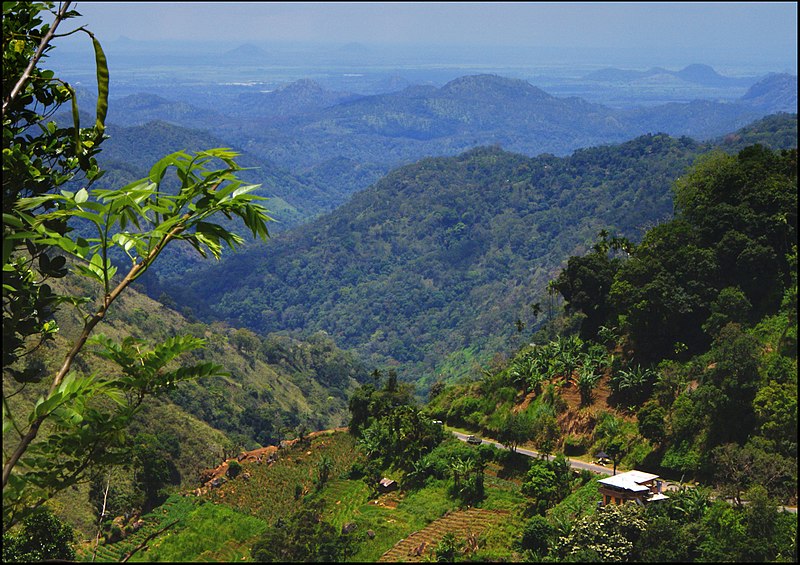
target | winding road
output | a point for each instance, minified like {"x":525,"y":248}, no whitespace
{"x":573,"y":462}
{"x":581,"y":465}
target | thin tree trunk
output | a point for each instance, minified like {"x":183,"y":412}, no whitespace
{"x":102,"y":515}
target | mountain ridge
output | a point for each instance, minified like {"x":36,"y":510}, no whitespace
{"x":471,"y":240}
{"x":696,"y":73}
{"x":302,"y":126}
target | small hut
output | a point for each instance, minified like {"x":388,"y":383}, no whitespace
{"x":387,"y":485}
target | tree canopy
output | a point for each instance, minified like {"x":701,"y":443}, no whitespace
{"x":50,"y":232}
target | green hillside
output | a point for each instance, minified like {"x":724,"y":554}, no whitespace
{"x":441,"y":258}
{"x":360,"y":523}
{"x":132,"y":150}
{"x":470,"y":111}
{"x":303,"y":126}
{"x":277,"y":386}
{"x":310,"y":132}
{"x":629,"y":305}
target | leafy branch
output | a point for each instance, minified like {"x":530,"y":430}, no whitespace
{"x":88,"y":415}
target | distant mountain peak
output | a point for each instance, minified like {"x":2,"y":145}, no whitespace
{"x":304,"y":85}
{"x":247,"y":51}
{"x":778,"y":92}
{"x":143,"y":100}
{"x":699,"y":73}
{"x":769,"y":82}
{"x":698,"y":67}
{"x":492,"y":84}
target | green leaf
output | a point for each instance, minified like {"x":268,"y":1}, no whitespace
{"x":89,"y":273}
{"x":76,"y":121}
{"x":8,"y":422}
{"x":68,"y":383}
{"x":102,"y":86}
{"x":35,"y":202}
{"x":96,"y":219}
{"x":245,"y":189}
{"x":8,"y":249}
{"x":44,"y":406}
{"x":11,"y":220}
{"x":137,"y":185}
{"x":160,"y":168}
{"x":116,"y":395}
{"x":124,"y":240}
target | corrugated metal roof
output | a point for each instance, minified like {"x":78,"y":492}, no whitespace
{"x":630,"y":480}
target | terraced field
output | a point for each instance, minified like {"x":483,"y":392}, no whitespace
{"x":175,"y":509}
{"x":269,"y":493}
{"x":465,"y":524}
{"x":343,"y":500}
{"x":212,"y":533}
{"x":222,"y":524}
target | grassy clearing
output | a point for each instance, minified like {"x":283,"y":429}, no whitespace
{"x":212,"y":532}
{"x":580,"y":503}
{"x":342,"y":501}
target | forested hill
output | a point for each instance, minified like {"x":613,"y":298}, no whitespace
{"x":442,"y":257}
{"x":470,"y":111}
{"x":338,"y":143}
{"x":129,"y":153}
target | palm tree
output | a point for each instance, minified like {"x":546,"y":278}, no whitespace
{"x":566,"y":363}
{"x":418,"y":472}
{"x":324,"y":467}
{"x":587,"y":381}
{"x":692,"y":502}
{"x":633,"y":383}
{"x":518,"y":371}
{"x":607,"y":336}
{"x":537,"y":375}
{"x":461,"y":469}
{"x":551,"y":291}
{"x":602,"y":245}
{"x":598,"y":357}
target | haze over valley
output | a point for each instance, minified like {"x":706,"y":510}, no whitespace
{"x":319,"y":123}
{"x":388,"y":282}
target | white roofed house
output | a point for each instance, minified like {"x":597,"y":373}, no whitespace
{"x":632,"y":486}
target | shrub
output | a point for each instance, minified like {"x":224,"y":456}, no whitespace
{"x":536,"y":535}
{"x":574,"y":445}
{"x":43,"y":537}
{"x":234,"y":468}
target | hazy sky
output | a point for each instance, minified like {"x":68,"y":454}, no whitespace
{"x":737,"y":24}
{"x":766,"y":30}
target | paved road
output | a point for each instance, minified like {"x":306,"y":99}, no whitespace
{"x":577,"y":464}
{"x":530,"y":453}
